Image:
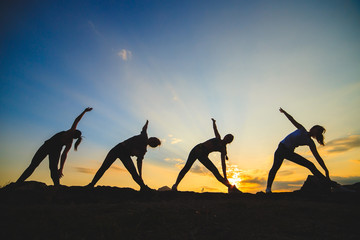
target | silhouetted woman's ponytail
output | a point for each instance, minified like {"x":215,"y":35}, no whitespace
{"x":77,"y":134}
{"x":320,"y":134}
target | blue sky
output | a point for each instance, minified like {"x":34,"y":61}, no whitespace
{"x":179,"y":63}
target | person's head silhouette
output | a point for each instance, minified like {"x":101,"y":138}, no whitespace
{"x":228,"y":138}
{"x":154,"y":142}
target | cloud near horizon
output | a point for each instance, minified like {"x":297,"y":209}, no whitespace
{"x":342,"y":144}
{"x":253,"y":180}
{"x":93,"y":171}
{"x":179,"y":163}
{"x":209,"y":189}
{"x":200,"y":169}
{"x":85,"y":170}
{"x":285,"y":172}
{"x":346,"y":180}
{"x":250,"y":183}
{"x":288,"y":185}
{"x":116,"y":168}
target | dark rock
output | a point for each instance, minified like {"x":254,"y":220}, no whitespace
{"x":164,"y":188}
{"x":314,"y":185}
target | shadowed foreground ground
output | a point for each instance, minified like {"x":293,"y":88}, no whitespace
{"x":37,"y":211}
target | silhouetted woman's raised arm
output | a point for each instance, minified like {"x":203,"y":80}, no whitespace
{"x":291,"y":119}
{"x":53,"y":148}
{"x":144,"y":129}
{"x":286,"y":150}
{"x":217,"y":134}
{"x":68,"y":145}
{"x":135,"y":146}
{"x":77,"y":120}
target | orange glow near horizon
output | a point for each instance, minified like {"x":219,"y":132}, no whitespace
{"x":234,"y":175}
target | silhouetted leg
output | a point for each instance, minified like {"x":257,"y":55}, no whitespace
{"x":129,"y":165}
{"x":53,"y":165}
{"x":37,"y":159}
{"x":278,"y":160}
{"x":189,"y":162}
{"x":209,"y":165}
{"x":296,"y":158}
{"x":110,"y":159}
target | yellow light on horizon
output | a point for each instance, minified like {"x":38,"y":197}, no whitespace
{"x":234,"y":175}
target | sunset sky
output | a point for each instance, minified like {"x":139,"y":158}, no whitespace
{"x":178,"y":64}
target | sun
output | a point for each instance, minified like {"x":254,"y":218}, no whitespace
{"x":234,"y":175}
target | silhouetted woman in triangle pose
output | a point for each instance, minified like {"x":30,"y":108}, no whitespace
{"x":201,"y":152}
{"x":135,"y":146}
{"x":53,"y":147}
{"x":286,"y":148}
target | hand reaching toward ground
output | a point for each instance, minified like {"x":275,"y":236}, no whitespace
{"x":60,"y":174}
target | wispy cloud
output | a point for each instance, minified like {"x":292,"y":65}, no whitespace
{"x":176,"y":160}
{"x":246,"y":179}
{"x":346,"y":180}
{"x":288,"y":185}
{"x":197,"y":168}
{"x":175,"y":140}
{"x":116,"y":168}
{"x":209,"y":189}
{"x":94,"y":28}
{"x":200,"y":169}
{"x":85,"y":170}
{"x":175,"y":96}
{"x":179,"y":163}
{"x":251,"y":183}
{"x":93,"y":171}
{"x":285,"y":173}
{"x":255,"y":183}
{"x":252,"y":180}
{"x":343,"y":144}
{"x":125,"y":54}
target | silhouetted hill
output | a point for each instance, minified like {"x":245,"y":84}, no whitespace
{"x":34,"y":210}
{"x":38,"y":192}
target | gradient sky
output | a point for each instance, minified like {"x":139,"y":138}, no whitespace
{"x":177,"y":64}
